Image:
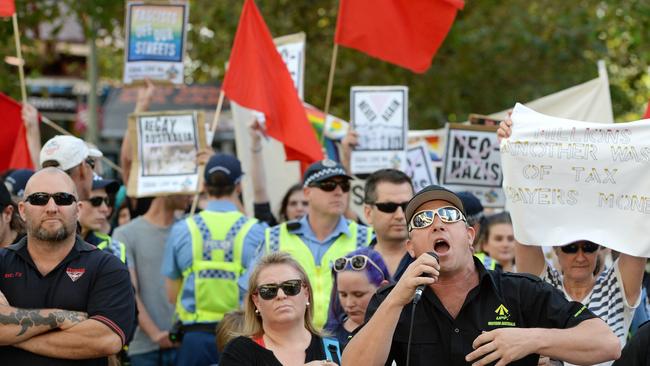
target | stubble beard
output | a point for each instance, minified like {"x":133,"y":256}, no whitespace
{"x":55,"y":236}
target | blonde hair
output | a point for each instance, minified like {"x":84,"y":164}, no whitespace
{"x":228,"y":328}
{"x":252,"y":322}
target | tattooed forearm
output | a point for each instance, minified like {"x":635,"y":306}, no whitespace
{"x":28,"y":318}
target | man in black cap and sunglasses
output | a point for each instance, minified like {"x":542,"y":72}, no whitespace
{"x":324,"y":234}
{"x":93,"y":217}
{"x":61,"y":299}
{"x":468,"y":314}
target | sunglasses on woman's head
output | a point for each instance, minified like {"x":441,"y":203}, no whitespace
{"x":587,"y":247}
{"x":98,"y":200}
{"x":42,"y":198}
{"x":330,"y":185}
{"x":357,"y":262}
{"x":447,"y":214}
{"x":270,"y":290}
{"x":91,"y":163}
{"x":390,"y":207}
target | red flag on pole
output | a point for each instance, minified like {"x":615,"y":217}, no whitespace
{"x":647,"y":111}
{"x":407,"y":33}
{"x":257,"y":78}
{"x":7,"y":8}
{"x":14,"y":151}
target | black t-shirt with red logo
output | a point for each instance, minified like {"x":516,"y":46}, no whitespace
{"x":88,"y":280}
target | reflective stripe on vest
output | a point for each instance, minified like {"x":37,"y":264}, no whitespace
{"x":217,"y":245}
{"x":111,"y":245}
{"x":278,"y":238}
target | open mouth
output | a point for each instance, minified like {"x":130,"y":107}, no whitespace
{"x":441,"y":246}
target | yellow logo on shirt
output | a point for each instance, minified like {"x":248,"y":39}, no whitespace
{"x":502,"y":318}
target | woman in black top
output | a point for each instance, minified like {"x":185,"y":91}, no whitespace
{"x":278,"y":327}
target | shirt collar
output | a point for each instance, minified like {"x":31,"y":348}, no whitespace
{"x":79,"y":246}
{"x":483,"y":274}
{"x":221,"y":206}
{"x":342,"y":227}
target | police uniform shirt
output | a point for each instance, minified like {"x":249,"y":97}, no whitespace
{"x":87,"y":280}
{"x":500,"y":300}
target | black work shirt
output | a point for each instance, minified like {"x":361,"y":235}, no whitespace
{"x":88,"y":280}
{"x":500,"y":300}
{"x":636,"y":351}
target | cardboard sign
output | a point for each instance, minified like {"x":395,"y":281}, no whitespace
{"x":292,"y":50}
{"x":379,"y":114}
{"x":164,"y":157}
{"x":419,"y":166}
{"x":155,"y":41}
{"x":472,"y":163}
{"x":567,"y":180}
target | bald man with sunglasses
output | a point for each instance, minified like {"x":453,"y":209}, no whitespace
{"x":322,"y":235}
{"x":61,"y":299}
{"x":467,"y":314}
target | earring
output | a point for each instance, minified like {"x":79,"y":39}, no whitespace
{"x":308,"y":303}
{"x":257,"y":311}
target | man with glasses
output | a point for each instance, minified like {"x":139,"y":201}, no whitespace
{"x":93,"y":217}
{"x":61,"y":299}
{"x":324,"y":234}
{"x":468,"y":314}
{"x":386,"y":194}
{"x":73,"y":156}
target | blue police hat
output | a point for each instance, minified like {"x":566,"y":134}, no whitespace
{"x":225,"y":163}
{"x":17,"y":180}
{"x":322,"y":170}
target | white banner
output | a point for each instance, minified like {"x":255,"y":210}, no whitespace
{"x":292,"y":49}
{"x":379,"y":114}
{"x":567,"y":180}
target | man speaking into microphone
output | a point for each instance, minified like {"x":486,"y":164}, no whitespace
{"x":467,"y":314}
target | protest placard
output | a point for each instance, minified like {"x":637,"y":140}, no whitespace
{"x":292,"y":49}
{"x":379,"y":114}
{"x":155,"y":41}
{"x":164,"y":157}
{"x":419,"y":166}
{"x":567,"y":180}
{"x":472,"y":163}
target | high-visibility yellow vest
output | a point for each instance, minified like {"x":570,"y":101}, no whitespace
{"x":279,"y":238}
{"x":487,"y":261}
{"x":111,"y":245}
{"x":217,"y":245}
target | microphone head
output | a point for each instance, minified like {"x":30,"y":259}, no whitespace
{"x":434,"y":255}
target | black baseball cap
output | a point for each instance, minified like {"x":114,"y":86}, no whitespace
{"x":5,"y":196}
{"x":17,"y":180}
{"x":111,"y":186}
{"x":431,"y":193}
{"x":225,"y":163}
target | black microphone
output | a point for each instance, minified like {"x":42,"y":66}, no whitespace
{"x":420,"y":288}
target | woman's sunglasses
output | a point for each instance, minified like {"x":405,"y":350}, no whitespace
{"x":98,"y":200}
{"x":330,"y":185}
{"x":357,"y":262}
{"x":447,"y":214}
{"x":390,"y":207}
{"x":42,"y":198}
{"x":270,"y":290}
{"x":587,"y":247}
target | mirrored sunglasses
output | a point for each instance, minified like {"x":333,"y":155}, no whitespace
{"x":587,"y":247}
{"x":42,"y":198}
{"x":270,"y":290}
{"x":390,"y":207}
{"x":447,"y":214}
{"x":330,"y":185}
{"x":357,"y":263}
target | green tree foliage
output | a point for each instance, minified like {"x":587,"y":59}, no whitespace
{"x":497,"y":53}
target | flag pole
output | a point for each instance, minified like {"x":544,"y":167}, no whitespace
{"x":213,"y":128}
{"x":330,"y":83}
{"x":19,"y":53}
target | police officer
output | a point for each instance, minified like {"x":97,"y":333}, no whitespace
{"x":322,"y":235}
{"x":93,"y":217}
{"x":204,"y":258}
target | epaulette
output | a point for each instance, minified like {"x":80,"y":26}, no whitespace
{"x":524,"y":275}
{"x":293,"y":225}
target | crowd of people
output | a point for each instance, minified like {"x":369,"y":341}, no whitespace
{"x":90,"y":276}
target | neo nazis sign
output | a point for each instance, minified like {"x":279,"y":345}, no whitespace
{"x":472,"y":157}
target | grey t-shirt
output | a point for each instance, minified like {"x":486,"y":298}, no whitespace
{"x":145,"y":245}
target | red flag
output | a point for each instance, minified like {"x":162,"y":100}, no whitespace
{"x":647,"y":112}
{"x":257,"y":78}
{"x":7,"y":8}
{"x":14,"y":152}
{"x":407,"y":33}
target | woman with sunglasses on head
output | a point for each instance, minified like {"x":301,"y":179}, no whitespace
{"x":612,"y":294}
{"x":278,"y":327}
{"x":357,"y":276}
